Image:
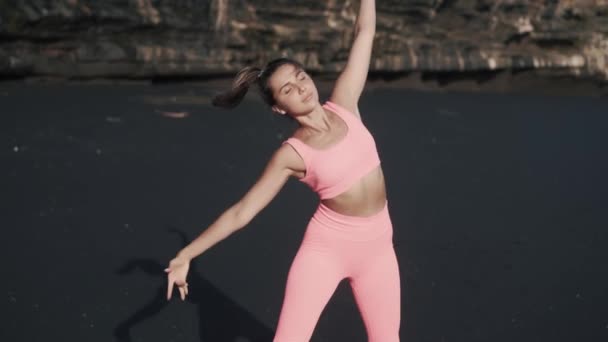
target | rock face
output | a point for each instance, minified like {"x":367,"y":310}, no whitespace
{"x":184,"y":38}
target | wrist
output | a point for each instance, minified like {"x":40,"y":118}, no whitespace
{"x":184,"y":255}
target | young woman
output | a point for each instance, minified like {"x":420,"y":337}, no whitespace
{"x":350,"y":234}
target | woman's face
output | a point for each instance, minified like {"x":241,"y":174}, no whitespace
{"x":293,"y":90}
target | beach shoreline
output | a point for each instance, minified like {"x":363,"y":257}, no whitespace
{"x":501,"y":81}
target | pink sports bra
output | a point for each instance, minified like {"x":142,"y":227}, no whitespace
{"x":333,"y":170}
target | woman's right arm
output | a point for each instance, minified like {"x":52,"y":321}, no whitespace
{"x":272,"y":180}
{"x":283,"y":164}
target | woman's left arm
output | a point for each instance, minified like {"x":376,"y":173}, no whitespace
{"x":350,"y":83}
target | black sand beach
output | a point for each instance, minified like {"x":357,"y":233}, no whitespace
{"x":498,"y":203}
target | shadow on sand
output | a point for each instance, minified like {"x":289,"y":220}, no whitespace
{"x":220,"y":318}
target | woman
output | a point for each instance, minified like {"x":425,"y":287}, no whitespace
{"x":350,"y":234}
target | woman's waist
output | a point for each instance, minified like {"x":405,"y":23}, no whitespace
{"x":329,"y":225}
{"x":366,"y":197}
{"x":361,"y":219}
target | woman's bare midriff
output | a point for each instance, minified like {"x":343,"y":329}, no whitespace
{"x":365,"y":198}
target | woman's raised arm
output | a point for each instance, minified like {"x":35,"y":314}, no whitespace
{"x":350,"y":83}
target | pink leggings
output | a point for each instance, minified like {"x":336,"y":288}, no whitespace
{"x":335,"y":247}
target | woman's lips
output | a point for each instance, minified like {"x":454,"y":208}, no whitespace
{"x":308,"y":98}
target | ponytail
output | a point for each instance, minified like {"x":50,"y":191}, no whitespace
{"x":248,"y":76}
{"x":243,"y":80}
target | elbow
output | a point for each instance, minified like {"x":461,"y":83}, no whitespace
{"x":240,"y":222}
{"x":240,"y":217}
{"x":367,"y":28}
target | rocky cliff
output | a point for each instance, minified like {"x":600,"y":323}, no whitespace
{"x":183,"y":38}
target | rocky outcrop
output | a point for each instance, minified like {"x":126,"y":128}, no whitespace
{"x":190,"y":38}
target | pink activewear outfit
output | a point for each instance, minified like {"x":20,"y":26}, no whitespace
{"x":338,"y":246}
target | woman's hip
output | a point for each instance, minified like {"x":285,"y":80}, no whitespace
{"x":333,"y":227}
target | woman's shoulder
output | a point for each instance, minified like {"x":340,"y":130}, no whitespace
{"x":299,"y":136}
{"x":293,"y":154}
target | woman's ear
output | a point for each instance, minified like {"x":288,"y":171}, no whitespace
{"x":276,"y":109}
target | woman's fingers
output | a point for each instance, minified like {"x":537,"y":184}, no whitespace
{"x":169,"y":289}
{"x":182,"y":288}
{"x":183,"y":291}
{"x":176,"y":276}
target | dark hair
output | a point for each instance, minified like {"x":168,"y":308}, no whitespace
{"x":248,"y":76}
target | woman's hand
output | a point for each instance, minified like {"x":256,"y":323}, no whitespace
{"x":176,"y":274}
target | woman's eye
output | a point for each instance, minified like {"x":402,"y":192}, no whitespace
{"x":287,"y":91}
